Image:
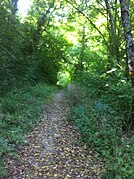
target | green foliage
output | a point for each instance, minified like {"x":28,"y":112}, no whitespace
{"x":3,"y":170}
{"x":28,"y":54}
{"x":9,"y":43}
{"x":51,"y":54}
{"x":63,"y":78}
{"x":100,"y":111}
{"x":20,"y":111}
{"x":50,"y":42}
{"x":4,"y":146}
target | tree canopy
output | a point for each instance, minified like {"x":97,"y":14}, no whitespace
{"x":61,"y":41}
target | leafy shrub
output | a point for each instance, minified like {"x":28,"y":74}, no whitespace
{"x":100,"y":118}
{"x":20,"y":110}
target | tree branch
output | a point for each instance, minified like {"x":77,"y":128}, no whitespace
{"x":87,"y":19}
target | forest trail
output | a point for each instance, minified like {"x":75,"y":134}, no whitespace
{"x":52,"y":151}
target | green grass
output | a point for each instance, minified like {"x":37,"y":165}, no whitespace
{"x":19,"y":111}
{"x":100,"y":114}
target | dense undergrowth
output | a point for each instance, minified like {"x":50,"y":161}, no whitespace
{"x":20,"y":110}
{"x":100,"y":111}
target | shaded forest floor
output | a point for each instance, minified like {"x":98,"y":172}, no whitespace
{"x":52,"y":151}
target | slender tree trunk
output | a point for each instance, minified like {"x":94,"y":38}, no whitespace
{"x":111,"y":19}
{"x":129,"y":45}
{"x":111,"y":16}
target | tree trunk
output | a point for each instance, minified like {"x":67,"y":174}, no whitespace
{"x":129,"y":46}
{"x":113,"y":36}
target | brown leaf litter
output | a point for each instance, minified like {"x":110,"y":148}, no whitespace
{"x":52,"y":151}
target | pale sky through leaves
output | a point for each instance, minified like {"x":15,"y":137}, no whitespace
{"x":23,"y":6}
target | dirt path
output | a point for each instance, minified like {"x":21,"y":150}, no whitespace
{"x":52,"y":152}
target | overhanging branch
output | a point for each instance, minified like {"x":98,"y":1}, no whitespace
{"x":87,"y":19}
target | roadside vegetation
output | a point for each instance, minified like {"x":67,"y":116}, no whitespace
{"x":100,"y":112}
{"x":83,"y":42}
{"x":21,"y":110}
